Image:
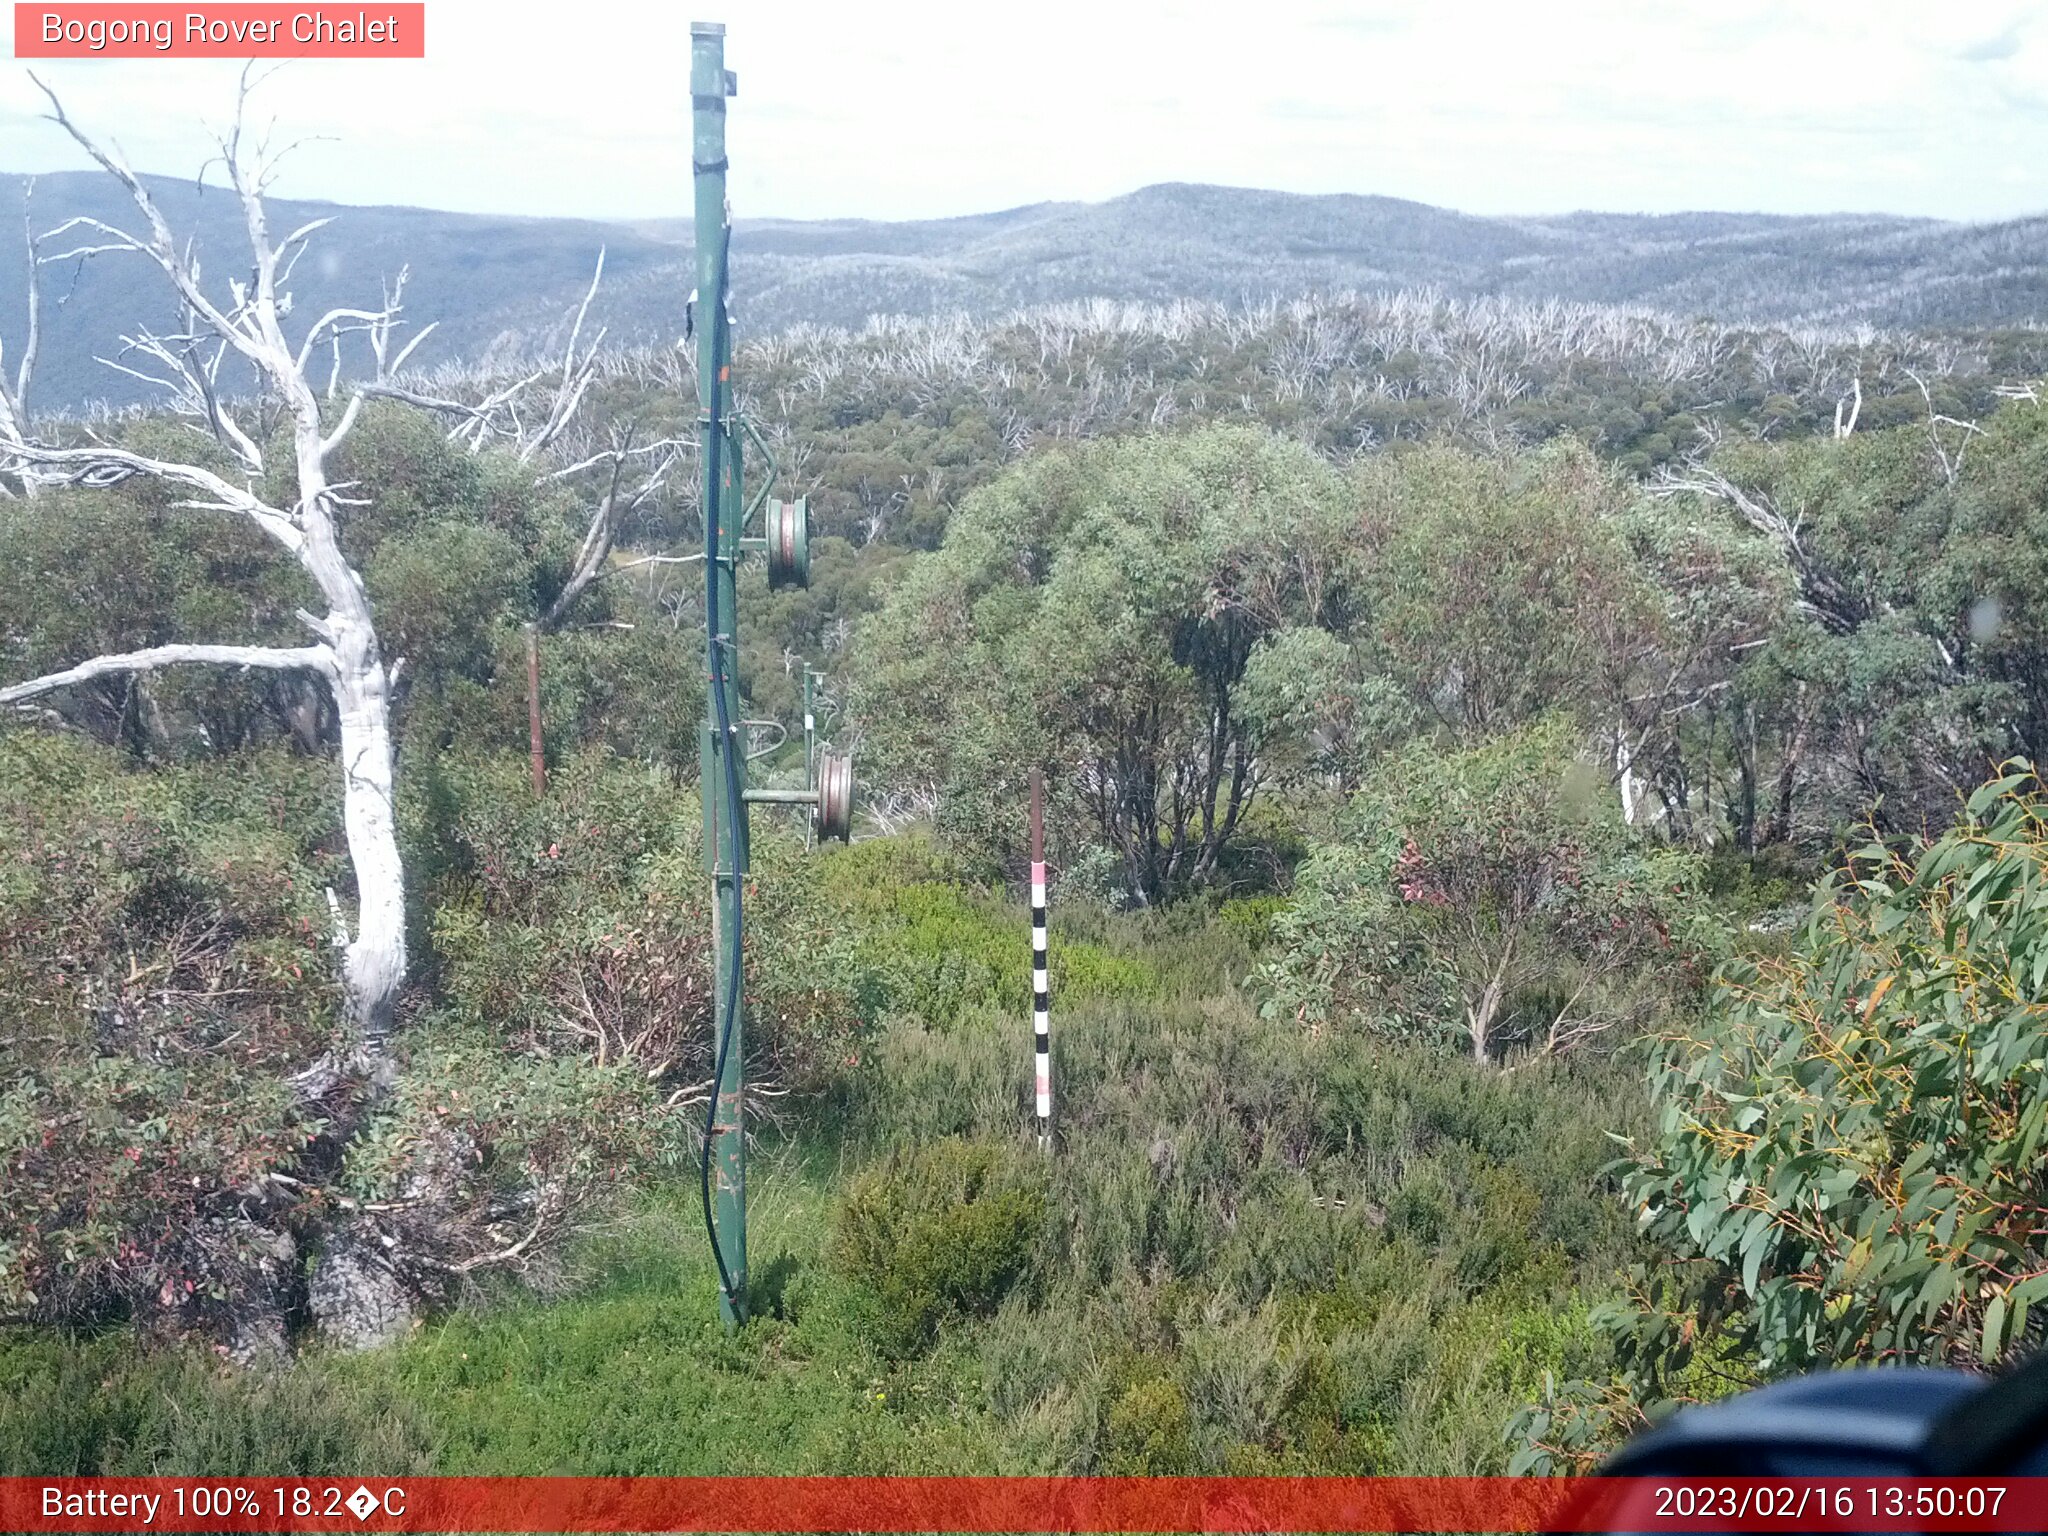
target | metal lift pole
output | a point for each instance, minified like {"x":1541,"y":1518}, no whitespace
{"x":722,"y":759}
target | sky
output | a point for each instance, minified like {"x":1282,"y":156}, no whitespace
{"x":895,"y":109}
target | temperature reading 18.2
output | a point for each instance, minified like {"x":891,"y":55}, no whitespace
{"x":304,"y":1503}
{"x":350,"y":1506}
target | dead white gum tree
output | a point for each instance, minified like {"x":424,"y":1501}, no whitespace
{"x":343,"y":650}
{"x":14,"y":395}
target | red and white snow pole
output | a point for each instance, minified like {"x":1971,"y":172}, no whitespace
{"x":1041,"y":991}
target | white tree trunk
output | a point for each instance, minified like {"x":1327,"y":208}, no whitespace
{"x":348,"y":657}
{"x":1479,"y":1016}
{"x":1625,"y":771}
{"x":375,"y":961}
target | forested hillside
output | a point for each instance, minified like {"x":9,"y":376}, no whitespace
{"x":497,"y":286}
{"x":1230,"y":244}
{"x":1475,"y":729}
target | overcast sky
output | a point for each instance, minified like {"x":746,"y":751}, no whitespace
{"x":903,"y":109}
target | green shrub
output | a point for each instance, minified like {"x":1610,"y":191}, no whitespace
{"x":1375,"y":1365}
{"x":1189,"y":956}
{"x":922,"y":1084}
{"x":1752,"y":884}
{"x":1268,"y":846}
{"x":1236,"y":1367}
{"x":1887,"y":1081}
{"x":581,"y":921}
{"x":164,"y":962}
{"x":939,"y":1231}
{"x":1490,"y":900}
{"x":940,"y":949}
{"x":1146,"y":1433}
{"x":863,"y":876}
{"x":1251,"y":918}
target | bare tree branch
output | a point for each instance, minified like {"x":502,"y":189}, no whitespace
{"x":577,"y":374}
{"x":1821,"y":592}
{"x":162,"y":246}
{"x":1951,"y":461}
{"x":613,"y":509}
{"x":14,"y":402}
{"x":1848,"y":408}
{"x":314,"y":658}
{"x":101,"y":466}
{"x":498,"y":414}
{"x":639,"y":560}
{"x":475,"y":423}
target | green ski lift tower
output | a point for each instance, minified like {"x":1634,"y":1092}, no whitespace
{"x":785,"y":542}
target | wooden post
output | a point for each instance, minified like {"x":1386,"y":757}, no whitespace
{"x":1041,"y":990}
{"x":535,"y":740}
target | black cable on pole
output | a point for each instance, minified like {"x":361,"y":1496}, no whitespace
{"x":716,"y":337}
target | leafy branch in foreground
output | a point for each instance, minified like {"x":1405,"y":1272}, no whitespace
{"x":1845,"y":1167}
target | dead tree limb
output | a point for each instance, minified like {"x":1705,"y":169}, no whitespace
{"x":312,"y":658}
{"x":614,"y":505}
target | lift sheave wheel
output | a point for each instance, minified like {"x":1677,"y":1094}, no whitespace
{"x":835,"y":796}
{"x":789,"y":544}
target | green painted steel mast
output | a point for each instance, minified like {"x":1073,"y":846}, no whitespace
{"x":722,"y":757}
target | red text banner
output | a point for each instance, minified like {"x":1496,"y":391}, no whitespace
{"x":1020,"y":1504}
{"x":220,"y":31}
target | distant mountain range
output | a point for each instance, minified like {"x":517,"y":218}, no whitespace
{"x":500,"y":286}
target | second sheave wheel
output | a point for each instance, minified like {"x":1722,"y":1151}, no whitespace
{"x":835,"y":796}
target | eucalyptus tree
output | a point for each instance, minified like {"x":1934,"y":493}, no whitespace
{"x":248,"y":324}
{"x":1094,"y":610}
{"x":278,"y":460}
{"x":1490,"y":896}
{"x":1845,"y":1163}
{"x":1911,"y":657}
{"x":459,"y":518}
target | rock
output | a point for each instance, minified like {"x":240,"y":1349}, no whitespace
{"x":257,"y":1341}
{"x":440,"y":1161}
{"x":257,"y":1267}
{"x":257,"y":1334}
{"x":357,"y":1300}
{"x":1785,"y":919}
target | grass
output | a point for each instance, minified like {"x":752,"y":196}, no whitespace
{"x":631,"y":1374}
{"x":635,"y":1374}
{"x":1258,"y":1253}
